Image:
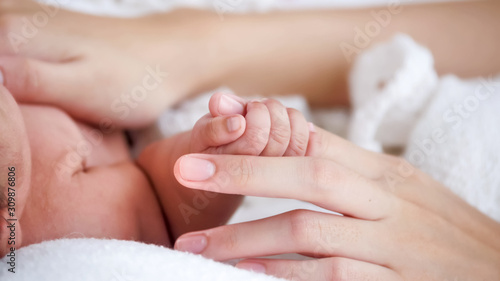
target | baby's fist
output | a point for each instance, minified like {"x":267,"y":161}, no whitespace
{"x":267,"y":128}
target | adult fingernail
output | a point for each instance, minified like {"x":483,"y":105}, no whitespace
{"x":251,"y":266}
{"x":193,"y":244}
{"x":196,"y":169}
{"x":229,"y":105}
{"x":233,"y":124}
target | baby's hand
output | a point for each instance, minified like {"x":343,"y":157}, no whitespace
{"x":265,"y":128}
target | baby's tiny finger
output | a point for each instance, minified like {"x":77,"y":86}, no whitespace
{"x":300,"y":133}
{"x":256,"y":135}
{"x":279,"y":136}
{"x":222,"y":104}
{"x":210,"y":132}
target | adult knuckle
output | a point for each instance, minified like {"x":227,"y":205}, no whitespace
{"x":300,"y":226}
{"x":393,"y":169}
{"x":391,"y":162}
{"x":231,"y":238}
{"x":418,"y":177}
{"x":339,"y":270}
{"x":342,"y":269}
{"x":241,"y":170}
{"x":319,"y":174}
{"x":247,"y":169}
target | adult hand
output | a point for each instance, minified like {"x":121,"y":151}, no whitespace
{"x":99,"y":68}
{"x":397,"y":223}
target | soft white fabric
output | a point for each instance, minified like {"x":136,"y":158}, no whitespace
{"x":114,"y":260}
{"x":449,"y":127}
{"x":390,"y":85}
{"x":461,"y":147}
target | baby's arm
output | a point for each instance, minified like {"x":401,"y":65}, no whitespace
{"x":233,"y":126}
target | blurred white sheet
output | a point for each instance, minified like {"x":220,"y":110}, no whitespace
{"x":126,"y":8}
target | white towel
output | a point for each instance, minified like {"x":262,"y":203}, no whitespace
{"x":114,"y":260}
{"x":449,"y":128}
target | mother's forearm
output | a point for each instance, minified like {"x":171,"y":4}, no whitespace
{"x":310,"y":52}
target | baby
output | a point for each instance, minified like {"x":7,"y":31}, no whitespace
{"x":108,"y":195}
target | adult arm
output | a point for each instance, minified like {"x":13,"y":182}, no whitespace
{"x":310,"y":52}
{"x":91,"y":71}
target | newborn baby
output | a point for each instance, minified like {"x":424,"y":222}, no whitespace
{"x":108,"y":195}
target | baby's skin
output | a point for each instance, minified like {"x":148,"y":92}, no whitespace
{"x":108,"y":195}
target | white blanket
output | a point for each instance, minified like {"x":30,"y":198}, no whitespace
{"x":448,"y":127}
{"x":113,"y":260}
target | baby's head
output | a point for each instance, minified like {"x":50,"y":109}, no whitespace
{"x":100,"y":195}
{"x":15,"y":170}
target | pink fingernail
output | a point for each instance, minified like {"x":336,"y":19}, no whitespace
{"x":233,"y":124}
{"x":250,"y":266}
{"x":228,"y":105}
{"x":192,"y":244}
{"x":311,"y":127}
{"x":196,"y":169}
{"x":258,"y":100}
